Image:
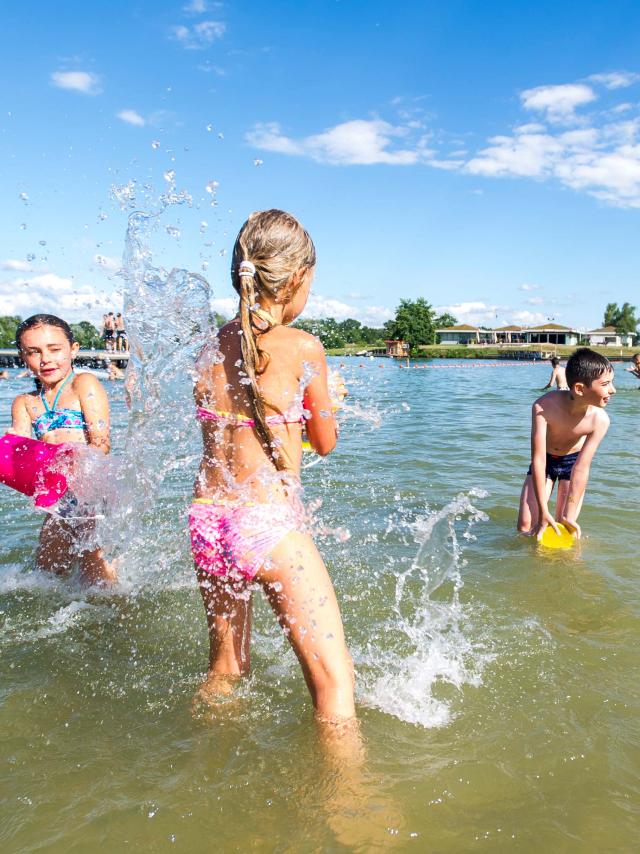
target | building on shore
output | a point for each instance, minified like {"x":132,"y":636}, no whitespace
{"x":397,"y":349}
{"x":607,"y":336}
{"x":547,"y":333}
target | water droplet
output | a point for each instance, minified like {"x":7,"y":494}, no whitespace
{"x":24,"y":197}
{"x":31,"y":256}
{"x":204,"y":266}
{"x":222,"y":252}
{"x":103,"y":216}
{"x":212,"y":186}
{"x":203,"y":226}
{"x":220,"y":136}
{"x":257,"y":161}
{"x":42,"y":242}
{"x":209,"y":128}
{"x":169,"y":176}
{"x":23,"y":226}
{"x":172,"y":231}
{"x":155,"y":144}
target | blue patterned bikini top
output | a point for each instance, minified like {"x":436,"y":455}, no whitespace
{"x":54,"y":419}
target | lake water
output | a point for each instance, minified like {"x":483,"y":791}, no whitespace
{"x":497,"y":683}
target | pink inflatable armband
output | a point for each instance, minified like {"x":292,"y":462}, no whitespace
{"x":27,"y":465}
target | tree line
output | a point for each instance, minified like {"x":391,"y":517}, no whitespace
{"x":415,"y":322}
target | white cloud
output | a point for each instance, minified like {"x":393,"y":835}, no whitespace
{"x":199,"y":36}
{"x":107,"y":263}
{"x":55,"y":294}
{"x":479,"y":313}
{"x":16,"y":265}
{"x":356,"y":142}
{"x":558,"y":102}
{"x":371,"y":315}
{"x":599,"y":156}
{"x":615,"y":79}
{"x":131,"y":117}
{"x":196,"y":7}
{"x":77,"y":81}
{"x":227,"y":306}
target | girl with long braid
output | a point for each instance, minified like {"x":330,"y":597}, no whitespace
{"x":256,"y":389}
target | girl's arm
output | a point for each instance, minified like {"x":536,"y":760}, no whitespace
{"x":95,"y":408}
{"x":20,"y":420}
{"x":321,"y":426}
{"x":580,"y":473}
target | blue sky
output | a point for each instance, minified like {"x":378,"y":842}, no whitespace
{"x":483,"y":155}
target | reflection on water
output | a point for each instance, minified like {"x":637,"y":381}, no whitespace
{"x":494,"y":682}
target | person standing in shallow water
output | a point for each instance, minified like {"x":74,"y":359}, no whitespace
{"x":558,"y":375}
{"x":256,"y":389}
{"x":65,"y":407}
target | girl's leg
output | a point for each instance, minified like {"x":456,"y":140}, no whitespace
{"x":300,"y":592}
{"x":528,"y":512}
{"x":228,"y":607}
{"x":55,"y":547}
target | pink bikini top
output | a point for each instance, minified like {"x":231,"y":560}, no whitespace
{"x":293,"y":415}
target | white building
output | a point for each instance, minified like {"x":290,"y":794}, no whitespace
{"x":607,"y":336}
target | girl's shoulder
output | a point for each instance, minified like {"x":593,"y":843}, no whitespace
{"x":86,"y":383}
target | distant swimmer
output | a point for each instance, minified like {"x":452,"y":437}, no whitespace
{"x":558,"y":375}
{"x":635,"y":365}
{"x":567,"y":428}
{"x":4,"y":375}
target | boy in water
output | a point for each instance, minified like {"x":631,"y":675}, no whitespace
{"x":558,"y":375}
{"x":566,"y":429}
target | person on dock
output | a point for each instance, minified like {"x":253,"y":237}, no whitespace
{"x":65,"y":407}
{"x":558,"y":375}
{"x":109,"y":331}
{"x":567,"y":428}
{"x":122,"y":343}
{"x":257,"y":387}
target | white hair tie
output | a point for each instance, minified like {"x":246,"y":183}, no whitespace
{"x":246,"y":268}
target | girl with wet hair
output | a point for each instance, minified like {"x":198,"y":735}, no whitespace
{"x":65,"y":407}
{"x":257,"y":387}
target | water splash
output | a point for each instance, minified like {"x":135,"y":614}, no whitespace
{"x":421,"y":648}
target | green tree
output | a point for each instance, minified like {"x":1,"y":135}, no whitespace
{"x":86,"y":335}
{"x":623,"y":319}
{"x":414,"y":322}
{"x":8,"y":325}
{"x":443,"y":321}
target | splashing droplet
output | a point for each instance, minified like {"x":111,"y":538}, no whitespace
{"x":203,"y":226}
{"x":257,"y":161}
{"x":155,"y":144}
{"x":209,"y":128}
{"x":212,"y":186}
{"x":31,"y":256}
{"x":42,"y":242}
{"x":169,"y":176}
{"x":172,"y":231}
{"x":23,"y":226}
{"x":24,"y":197}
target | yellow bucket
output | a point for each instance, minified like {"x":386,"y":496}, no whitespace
{"x":551,"y":540}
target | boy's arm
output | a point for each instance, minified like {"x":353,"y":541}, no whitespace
{"x":95,"y":409}
{"x":20,"y":420}
{"x":539,"y":469}
{"x":552,"y":378}
{"x":580,"y":473}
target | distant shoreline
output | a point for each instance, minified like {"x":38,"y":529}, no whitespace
{"x":539,"y":352}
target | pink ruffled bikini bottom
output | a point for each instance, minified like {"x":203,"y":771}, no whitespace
{"x":236,"y":538}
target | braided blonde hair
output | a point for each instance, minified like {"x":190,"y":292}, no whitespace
{"x":278,"y":247}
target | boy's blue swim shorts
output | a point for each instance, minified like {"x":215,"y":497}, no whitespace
{"x":559,"y":468}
